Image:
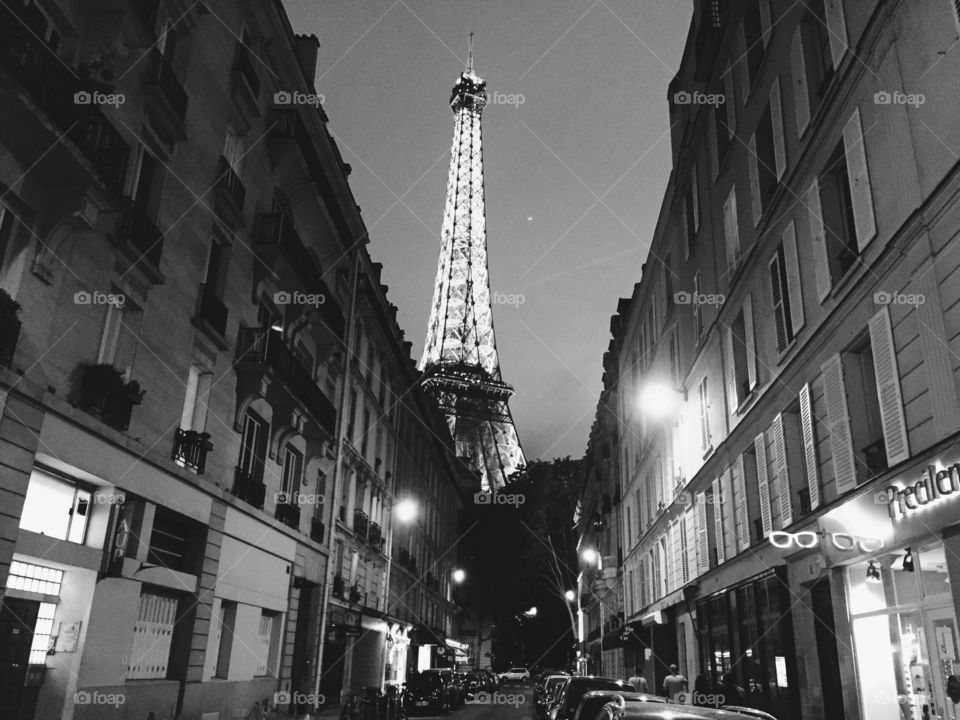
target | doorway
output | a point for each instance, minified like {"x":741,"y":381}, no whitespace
{"x":18,"y":618}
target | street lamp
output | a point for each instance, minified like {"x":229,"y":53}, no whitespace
{"x":528,"y":614}
{"x":659,"y":400}
{"x":406,"y":510}
{"x":458,"y":576}
{"x":570,"y":595}
{"x":590,"y":557}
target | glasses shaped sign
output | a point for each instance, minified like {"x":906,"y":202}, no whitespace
{"x":843,"y":542}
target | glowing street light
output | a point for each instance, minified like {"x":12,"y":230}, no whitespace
{"x":406,"y":510}
{"x":458,"y":576}
{"x":590,"y":556}
{"x":570,"y":595}
{"x":660,"y":400}
{"x":532,"y":612}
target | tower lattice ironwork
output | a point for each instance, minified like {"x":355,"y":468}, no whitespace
{"x":461,"y":369}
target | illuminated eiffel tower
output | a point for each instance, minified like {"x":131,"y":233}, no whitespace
{"x":461,"y":370}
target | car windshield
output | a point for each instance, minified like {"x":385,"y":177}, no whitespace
{"x":579,"y":686}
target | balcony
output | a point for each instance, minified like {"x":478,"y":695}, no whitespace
{"x":104,"y":392}
{"x":289,"y":514}
{"x":361,"y":523}
{"x":166,"y":99}
{"x":246,"y":82}
{"x":375,"y":535}
{"x":229,"y":193}
{"x":142,"y":240}
{"x":212,"y":313}
{"x":190,"y":449}
{"x":266,"y":348}
{"x":317,"y":529}
{"x":248,"y":488}
{"x":339,"y":587}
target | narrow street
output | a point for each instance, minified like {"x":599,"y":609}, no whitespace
{"x":510,"y":702}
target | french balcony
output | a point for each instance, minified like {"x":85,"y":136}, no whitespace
{"x":265,"y":349}
{"x":142,"y":240}
{"x":190,"y":449}
{"x":166,"y":98}
{"x":361,"y":523}
{"x":246,"y":81}
{"x":289,"y":514}
{"x":317,"y":529}
{"x":212,"y":313}
{"x":229,"y":193}
{"x":249,"y":488}
{"x":375,"y":535}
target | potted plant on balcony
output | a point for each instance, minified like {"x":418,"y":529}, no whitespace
{"x":103,"y":391}
{"x":9,"y":327}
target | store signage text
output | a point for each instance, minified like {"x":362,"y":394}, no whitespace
{"x":932,"y":486}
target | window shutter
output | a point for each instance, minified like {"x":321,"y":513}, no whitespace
{"x":685,"y":226}
{"x":673,"y":558}
{"x":763,"y":483}
{"x":715,"y":145}
{"x":704,"y":415}
{"x":703,"y":540}
{"x":695,"y":197}
{"x":730,"y":230}
{"x":731,"y":370}
{"x":859,"y":175}
{"x":837,"y":27}
{"x":691,"y":518}
{"x":841,"y":442}
{"x":744,"y":70}
{"x":801,"y":91}
{"x":718,"y":520}
{"x":794,"y":289}
{"x":819,"y":241}
{"x":888,"y":388}
{"x":750,"y":341}
{"x":740,"y":505}
{"x":756,"y":203}
{"x":783,"y":472}
{"x":730,"y":102}
{"x":809,"y":445}
{"x":776,"y":120}
{"x":777,"y":292}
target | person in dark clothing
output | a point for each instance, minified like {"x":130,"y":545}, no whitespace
{"x":701,"y":690}
{"x":732,"y":693}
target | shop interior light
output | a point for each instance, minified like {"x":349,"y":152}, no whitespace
{"x":873,"y":573}
{"x":908,"y":561}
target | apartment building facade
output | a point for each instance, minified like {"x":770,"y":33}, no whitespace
{"x":199,"y":370}
{"x":787,"y":397}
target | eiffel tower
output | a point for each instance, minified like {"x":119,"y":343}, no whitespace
{"x":461,"y":370}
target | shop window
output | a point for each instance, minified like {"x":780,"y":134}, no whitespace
{"x":56,"y":507}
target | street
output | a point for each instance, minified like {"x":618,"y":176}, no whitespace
{"x":510,"y":702}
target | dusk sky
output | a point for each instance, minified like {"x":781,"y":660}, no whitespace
{"x":576,"y":153}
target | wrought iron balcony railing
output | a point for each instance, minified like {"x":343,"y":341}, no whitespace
{"x":317,"y":529}
{"x":190,"y":449}
{"x":361,"y":523}
{"x":229,"y":181}
{"x":289,"y":514}
{"x":248,"y":488}
{"x":211,"y":309}
{"x":375,"y":534}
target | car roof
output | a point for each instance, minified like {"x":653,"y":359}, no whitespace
{"x":672,"y":711}
{"x":627,"y":695}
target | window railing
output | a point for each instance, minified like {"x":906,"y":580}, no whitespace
{"x":289,"y":514}
{"x":361,"y":523}
{"x":230,"y":182}
{"x":190,"y":449}
{"x":249,"y":488}
{"x":317,"y":529}
{"x":211,"y":309}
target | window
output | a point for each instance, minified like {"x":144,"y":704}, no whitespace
{"x":756,"y":29}
{"x":840,"y":239}
{"x":697,"y":312}
{"x":40,"y":25}
{"x":631,"y":606}
{"x":172,"y":540}
{"x":226,"y":627}
{"x":364,"y":439}
{"x":704,"y":404}
{"x":731,"y":229}
{"x":42,"y":632}
{"x":767,"y":155}
{"x":253,"y":446}
{"x":216,"y":277}
{"x":147,"y":181}
{"x":152,"y":636}
{"x":34,"y":578}
{"x":353,"y":414}
{"x":690,"y":207}
{"x":741,"y":354}
{"x":197,"y":400}
{"x":292,"y":472}
{"x":234,"y":149}
{"x":786,"y":290}
{"x":56,"y":507}
{"x":674,"y":351}
{"x":725,"y":120}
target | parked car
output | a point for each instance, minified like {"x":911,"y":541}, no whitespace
{"x":543,"y":698}
{"x":427,"y":692}
{"x":516,"y":675}
{"x":593,"y":701}
{"x":540,"y":678}
{"x":573,"y":690}
{"x":490,"y":680}
{"x":668,"y":711}
{"x":473,"y":682}
{"x":749,"y":712}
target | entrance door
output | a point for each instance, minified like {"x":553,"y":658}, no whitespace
{"x":17,"y":621}
{"x":304,"y":649}
{"x":944,"y":642}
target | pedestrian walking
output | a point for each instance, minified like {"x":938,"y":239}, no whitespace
{"x":673,"y":684}
{"x":637,"y":681}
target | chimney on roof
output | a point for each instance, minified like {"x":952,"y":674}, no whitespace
{"x":306,"y":47}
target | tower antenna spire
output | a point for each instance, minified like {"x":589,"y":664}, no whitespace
{"x":470,"y":55}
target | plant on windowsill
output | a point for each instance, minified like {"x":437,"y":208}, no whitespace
{"x":9,"y":327}
{"x":101,"y":390}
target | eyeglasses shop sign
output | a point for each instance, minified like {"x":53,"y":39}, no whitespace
{"x":933,"y":486}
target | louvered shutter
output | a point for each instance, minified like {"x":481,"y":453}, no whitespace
{"x":695,"y":198}
{"x":684,"y":549}
{"x":750,"y":341}
{"x":763,"y":483}
{"x":731,"y":369}
{"x":783,"y":472}
{"x":692,"y":568}
{"x":703,"y":539}
{"x":778,"y":293}
{"x":730,"y":102}
{"x":794,"y":288}
{"x":888,"y":388}
{"x":801,"y":91}
{"x":861,"y":194}
{"x":743,"y":64}
{"x":740,"y":505}
{"x":818,"y":239}
{"x":776,"y":120}
{"x":718,"y":520}
{"x":731,"y":231}
{"x":673,"y":557}
{"x":837,"y":27}
{"x":841,"y":442}
{"x":809,"y":445}
{"x":715,"y":145}
{"x":756,"y":202}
